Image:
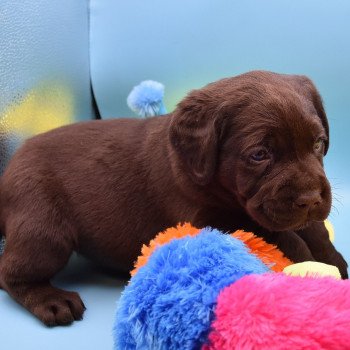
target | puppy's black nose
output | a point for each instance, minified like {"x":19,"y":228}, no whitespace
{"x":309,"y":200}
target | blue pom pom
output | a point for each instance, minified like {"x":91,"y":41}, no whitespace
{"x":146,"y":99}
{"x":169,"y":303}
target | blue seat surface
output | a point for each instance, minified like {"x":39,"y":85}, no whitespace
{"x":99,"y":292}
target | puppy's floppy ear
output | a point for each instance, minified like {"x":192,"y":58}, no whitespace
{"x":317,"y":100}
{"x":309,"y":89}
{"x":194,"y":132}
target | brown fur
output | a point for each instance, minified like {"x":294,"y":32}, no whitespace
{"x":103,"y":188}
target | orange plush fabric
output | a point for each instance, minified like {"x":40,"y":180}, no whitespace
{"x":162,"y":238}
{"x":269,"y":254}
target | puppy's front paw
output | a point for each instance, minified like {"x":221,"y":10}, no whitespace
{"x":59,"y":308}
{"x":338,"y":261}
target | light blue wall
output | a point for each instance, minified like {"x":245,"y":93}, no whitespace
{"x":186,"y":44}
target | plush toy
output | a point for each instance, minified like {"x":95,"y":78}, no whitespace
{"x":268,"y":253}
{"x":330,"y":230}
{"x":312,"y":268}
{"x":195,"y":289}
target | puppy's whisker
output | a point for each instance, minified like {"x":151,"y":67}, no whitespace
{"x":335,"y":187}
{"x":335,"y":208}
{"x":338,"y":201}
{"x":336,"y":196}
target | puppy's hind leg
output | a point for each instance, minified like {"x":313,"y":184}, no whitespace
{"x":35,"y":251}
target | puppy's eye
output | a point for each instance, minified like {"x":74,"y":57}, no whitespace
{"x":319,"y":145}
{"x":260,"y":155}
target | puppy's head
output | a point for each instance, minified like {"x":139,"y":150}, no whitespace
{"x":261,"y":136}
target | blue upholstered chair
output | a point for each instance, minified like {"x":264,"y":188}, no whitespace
{"x":53,"y":54}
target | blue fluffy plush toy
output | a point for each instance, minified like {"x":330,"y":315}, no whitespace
{"x":169,"y":303}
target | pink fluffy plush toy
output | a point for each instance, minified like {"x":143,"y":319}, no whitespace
{"x":202,"y":289}
{"x":275,"y":311}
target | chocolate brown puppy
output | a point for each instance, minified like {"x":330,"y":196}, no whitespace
{"x":241,"y":153}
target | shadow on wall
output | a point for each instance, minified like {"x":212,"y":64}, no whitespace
{"x":47,"y":106}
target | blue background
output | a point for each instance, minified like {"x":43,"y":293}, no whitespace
{"x":183,"y":44}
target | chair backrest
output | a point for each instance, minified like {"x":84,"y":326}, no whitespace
{"x":44,"y":68}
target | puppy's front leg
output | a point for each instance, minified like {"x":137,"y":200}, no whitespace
{"x":291,"y":244}
{"x":317,"y":239}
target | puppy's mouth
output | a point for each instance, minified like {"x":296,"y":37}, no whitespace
{"x":275,"y":218}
